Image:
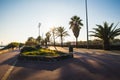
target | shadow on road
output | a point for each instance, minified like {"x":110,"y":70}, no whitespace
{"x":82,"y":67}
{"x":9,"y":57}
{"x":6,"y":61}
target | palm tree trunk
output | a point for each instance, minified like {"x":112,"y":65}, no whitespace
{"x":106,"y":45}
{"x":76,"y":43}
{"x":61,"y":41}
{"x":54,"y":38}
{"x":46,"y":43}
{"x":54,"y":42}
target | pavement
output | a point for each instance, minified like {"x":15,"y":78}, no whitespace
{"x":86,"y":65}
{"x":6,"y":61}
{"x":4,"y":51}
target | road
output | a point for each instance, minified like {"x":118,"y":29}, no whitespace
{"x":6,"y":61}
{"x":86,"y":65}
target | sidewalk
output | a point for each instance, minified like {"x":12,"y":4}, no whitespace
{"x":83,"y":50}
{"x":3,"y":51}
{"x":96,"y":51}
{"x":62,"y":49}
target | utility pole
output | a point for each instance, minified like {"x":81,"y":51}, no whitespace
{"x":87,"y":24}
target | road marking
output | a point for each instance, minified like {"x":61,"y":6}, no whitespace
{"x":6,"y":75}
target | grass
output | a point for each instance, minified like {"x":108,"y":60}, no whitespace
{"x":43,"y":52}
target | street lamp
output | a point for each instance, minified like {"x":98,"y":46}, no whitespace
{"x":87,"y":24}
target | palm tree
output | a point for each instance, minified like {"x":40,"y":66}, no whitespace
{"x":38,"y":39}
{"x":61,"y":33}
{"x":53,"y":30}
{"x":75,"y":25}
{"x":47,"y":39}
{"x":106,"y":33}
{"x":48,"y":36}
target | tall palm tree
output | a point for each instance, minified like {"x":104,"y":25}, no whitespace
{"x":106,"y":33}
{"x":53,"y":30}
{"x":61,"y":33}
{"x":75,"y":25}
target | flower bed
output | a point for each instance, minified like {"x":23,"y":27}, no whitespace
{"x":44,"y":55}
{"x":45,"y":58}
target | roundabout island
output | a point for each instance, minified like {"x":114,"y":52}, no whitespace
{"x":42,"y":54}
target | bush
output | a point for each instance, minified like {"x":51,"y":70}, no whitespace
{"x":38,"y":46}
{"x":48,"y":52}
{"x":27,"y":49}
{"x":40,"y":52}
{"x":12,"y":45}
{"x":115,"y":47}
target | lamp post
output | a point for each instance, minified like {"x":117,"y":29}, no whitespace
{"x":87,"y":24}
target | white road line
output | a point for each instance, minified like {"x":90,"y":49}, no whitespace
{"x":6,"y":75}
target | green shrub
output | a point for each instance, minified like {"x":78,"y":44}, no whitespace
{"x":31,"y":53}
{"x":38,"y":46}
{"x":12,"y":45}
{"x":27,"y":49}
{"x":40,"y":52}
{"x":48,"y":52}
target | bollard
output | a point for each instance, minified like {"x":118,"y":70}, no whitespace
{"x":70,"y":49}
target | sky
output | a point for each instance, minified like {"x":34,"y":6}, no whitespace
{"x":19,"y":19}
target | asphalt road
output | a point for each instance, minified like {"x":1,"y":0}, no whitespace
{"x":86,"y":65}
{"x":6,"y":61}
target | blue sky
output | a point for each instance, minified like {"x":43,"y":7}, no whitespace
{"x":19,"y":18}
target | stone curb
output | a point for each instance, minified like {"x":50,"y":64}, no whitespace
{"x":45,"y":58}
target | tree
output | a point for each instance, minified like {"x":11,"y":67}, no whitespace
{"x":31,"y":39}
{"x":61,"y":33}
{"x":116,"y":42}
{"x":31,"y":42}
{"x":47,"y":39}
{"x":38,"y":39}
{"x":21,"y":45}
{"x":12,"y":45}
{"x":53,"y":30}
{"x":48,"y":36}
{"x":106,"y":33}
{"x":42,"y":41}
{"x":75,"y":25}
